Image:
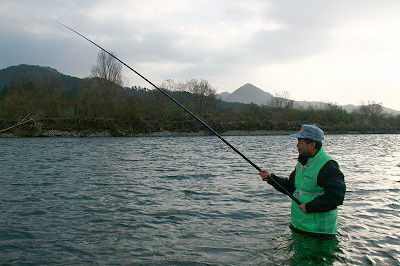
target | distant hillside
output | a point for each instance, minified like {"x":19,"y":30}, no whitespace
{"x":351,"y":107}
{"x":38,"y":74}
{"x":50,"y":78}
{"x":248,"y":93}
{"x":223,"y":95}
{"x":348,"y":107}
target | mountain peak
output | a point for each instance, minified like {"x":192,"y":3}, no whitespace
{"x":249,"y":86}
{"x":248,"y":93}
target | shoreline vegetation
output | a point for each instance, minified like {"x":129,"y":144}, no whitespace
{"x":165,"y":133}
{"x":54,"y":128}
{"x":85,"y":134}
{"x":141,"y":112}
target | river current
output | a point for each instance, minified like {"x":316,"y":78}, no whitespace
{"x":188,"y":200}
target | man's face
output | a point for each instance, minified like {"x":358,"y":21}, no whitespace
{"x":305,"y":149}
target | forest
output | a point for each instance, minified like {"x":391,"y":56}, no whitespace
{"x":102,"y":104}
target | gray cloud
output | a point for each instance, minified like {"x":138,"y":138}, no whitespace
{"x":140,"y":40}
{"x":210,"y":39}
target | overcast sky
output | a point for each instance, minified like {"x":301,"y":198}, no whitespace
{"x":334,"y":51}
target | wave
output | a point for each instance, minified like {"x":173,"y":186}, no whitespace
{"x":373,"y":190}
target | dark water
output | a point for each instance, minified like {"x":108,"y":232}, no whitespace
{"x":191,"y":200}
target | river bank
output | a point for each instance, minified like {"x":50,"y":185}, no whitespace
{"x":163,"y":133}
{"x":166,"y":133}
{"x":101,"y":127}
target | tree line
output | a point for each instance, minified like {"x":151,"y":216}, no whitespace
{"x":101,"y":103}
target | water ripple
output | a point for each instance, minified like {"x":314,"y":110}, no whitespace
{"x":172,"y":201}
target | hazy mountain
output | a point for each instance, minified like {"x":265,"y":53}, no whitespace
{"x":248,"y":93}
{"x":351,"y":107}
{"x":306,"y":104}
{"x":348,"y":107}
{"x":223,"y":95}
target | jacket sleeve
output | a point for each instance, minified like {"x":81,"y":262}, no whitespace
{"x":331,"y":179}
{"x":287,"y":183}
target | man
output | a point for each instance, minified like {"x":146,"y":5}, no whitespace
{"x":316,"y":182}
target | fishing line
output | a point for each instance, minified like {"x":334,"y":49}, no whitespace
{"x":187,"y":110}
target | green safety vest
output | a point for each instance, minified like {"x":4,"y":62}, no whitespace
{"x":305,"y":182}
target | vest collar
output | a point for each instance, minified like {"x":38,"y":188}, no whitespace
{"x":317,"y":156}
{"x":321,"y":153}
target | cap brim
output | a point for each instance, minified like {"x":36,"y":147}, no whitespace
{"x":298,"y":135}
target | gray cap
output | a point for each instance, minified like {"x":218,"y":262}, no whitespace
{"x":309,"y":132}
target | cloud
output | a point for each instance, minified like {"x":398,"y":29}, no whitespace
{"x":285,"y":45}
{"x":229,"y":42}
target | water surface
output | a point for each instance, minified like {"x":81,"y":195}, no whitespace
{"x":188,"y":200}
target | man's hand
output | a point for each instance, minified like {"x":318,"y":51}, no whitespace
{"x":265,"y":175}
{"x":303,"y":208}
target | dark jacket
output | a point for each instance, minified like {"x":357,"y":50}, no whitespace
{"x":330,"y":178}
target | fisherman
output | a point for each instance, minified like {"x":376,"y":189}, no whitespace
{"x":316,"y":182}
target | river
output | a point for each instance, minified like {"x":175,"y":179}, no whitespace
{"x":188,"y":200}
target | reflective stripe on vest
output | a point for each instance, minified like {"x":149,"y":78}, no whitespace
{"x":299,"y":193}
{"x":307,"y":189}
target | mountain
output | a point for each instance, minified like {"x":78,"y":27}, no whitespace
{"x":348,"y":107}
{"x":351,"y":107}
{"x":223,"y":95}
{"x":23,"y":74}
{"x":248,"y":93}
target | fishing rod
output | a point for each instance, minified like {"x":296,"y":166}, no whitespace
{"x":187,"y":110}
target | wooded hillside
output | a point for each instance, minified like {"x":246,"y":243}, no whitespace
{"x":93,"y":105}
